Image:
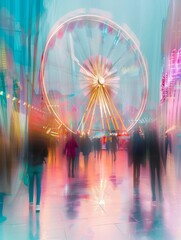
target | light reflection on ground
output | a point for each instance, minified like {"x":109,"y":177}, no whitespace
{"x":99,"y":203}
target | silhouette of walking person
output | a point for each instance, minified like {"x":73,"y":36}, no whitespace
{"x":138,"y":154}
{"x":37,"y":152}
{"x":70,"y":152}
{"x":155,"y":162}
{"x":86,"y":148}
{"x":114,"y":147}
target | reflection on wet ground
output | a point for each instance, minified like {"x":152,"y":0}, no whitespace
{"x":99,"y":203}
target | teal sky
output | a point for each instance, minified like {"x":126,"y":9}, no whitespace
{"x":145,"y":18}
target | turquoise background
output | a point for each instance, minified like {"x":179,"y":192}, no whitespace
{"x":145,"y":18}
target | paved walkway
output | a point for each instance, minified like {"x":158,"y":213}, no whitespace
{"x":99,"y":203}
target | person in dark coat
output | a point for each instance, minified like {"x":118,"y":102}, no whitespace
{"x":114,"y":147}
{"x":78,"y":149}
{"x":166,"y":145}
{"x":108,"y":145}
{"x":37,"y":152}
{"x":70,"y":149}
{"x":5,"y":172}
{"x":155,"y":162}
{"x":99,"y":148}
{"x":138,"y":154}
{"x":94,"y":143}
{"x":86,"y":148}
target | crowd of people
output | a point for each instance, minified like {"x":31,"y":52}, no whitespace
{"x":149,"y":145}
{"x":76,"y":144}
{"x":142,"y":145}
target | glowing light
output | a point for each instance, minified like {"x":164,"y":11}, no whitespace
{"x":102,"y":202}
{"x":101,"y":88}
{"x":3,"y":57}
{"x":48,"y":131}
{"x":172,"y":76}
{"x":99,"y":192}
{"x":101,"y":80}
{"x":101,"y":73}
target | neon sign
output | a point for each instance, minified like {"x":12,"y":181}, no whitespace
{"x":172,"y":75}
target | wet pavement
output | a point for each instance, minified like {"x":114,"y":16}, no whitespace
{"x":99,"y":203}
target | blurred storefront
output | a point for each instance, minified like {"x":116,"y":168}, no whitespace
{"x":170,"y":89}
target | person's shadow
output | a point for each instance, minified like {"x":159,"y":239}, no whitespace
{"x":136,"y":215}
{"x":77,"y":191}
{"x":157,"y":229}
{"x":2,"y":217}
{"x":147,"y":222}
{"x":72,"y":201}
{"x":34,"y":225}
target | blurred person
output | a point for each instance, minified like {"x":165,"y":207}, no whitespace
{"x":114,"y":147}
{"x":94,"y":141}
{"x":86,"y":148}
{"x":99,"y":148}
{"x":178,"y":154}
{"x":108,"y":146}
{"x":138,"y":154}
{"x":129,"y":151}
{"x":78,"y":149}
{"x":137,"y":213}
{"x":166,"y":145}
{"x":5,"y":173}
{"x":155,"y":162}
{"x":37,"y":153}
{"x":70,"y":152}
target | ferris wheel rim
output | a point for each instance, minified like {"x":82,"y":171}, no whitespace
{"x":115,"y":26}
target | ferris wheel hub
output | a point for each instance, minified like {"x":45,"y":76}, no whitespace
{"x":100,"y":80}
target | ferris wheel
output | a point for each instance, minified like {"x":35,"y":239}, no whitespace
{"x":93,"y":75}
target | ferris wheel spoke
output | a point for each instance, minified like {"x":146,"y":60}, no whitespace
{"x":110,"y":74}
{"x":114,"y":107}
{"x":83,"y":69}
{"x":112,"y":116}
{"x":87,"y":71}
{"x":88,"y":106}
{"x":114,"y":43}
{"x":81,"y":48}
{"x":126,"y":63}
{"x":75,"y":59}
{"x":92,"y":106}
{"x":93,"y":113}
{"x":101,"y":110}
{"x":101,"y":49}
{"x":106,"y":113}
{"x":89,"y":66}
{"x":89,"y":34}
{"x":120,"y":58}
{"x":110,"y":51}
{"x":110,"y":112}
{"x":67,"y":72}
